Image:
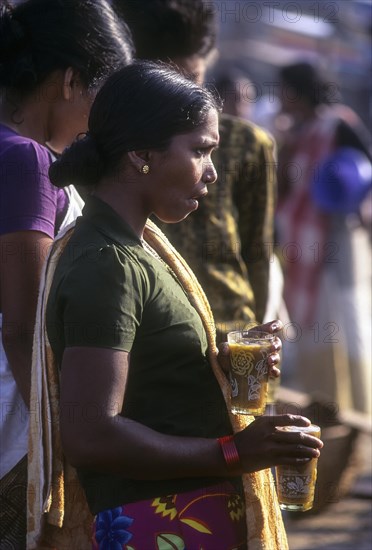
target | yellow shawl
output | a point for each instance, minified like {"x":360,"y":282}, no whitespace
{"x":58,"y":516}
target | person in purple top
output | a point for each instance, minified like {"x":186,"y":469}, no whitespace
{"x":53,"y":56}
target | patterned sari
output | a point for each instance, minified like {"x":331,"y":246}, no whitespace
{"x":208,"y":518}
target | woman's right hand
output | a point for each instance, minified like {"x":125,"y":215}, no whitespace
{"x":96,"y":436}
{"x":261,"y":445}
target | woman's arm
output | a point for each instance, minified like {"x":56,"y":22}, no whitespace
{"x":21,"y":259}
{"x":95,"y":436}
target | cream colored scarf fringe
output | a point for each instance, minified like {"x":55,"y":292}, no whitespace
{"x":58,"y":516}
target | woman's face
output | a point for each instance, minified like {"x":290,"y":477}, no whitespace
{"x":183,"y":172}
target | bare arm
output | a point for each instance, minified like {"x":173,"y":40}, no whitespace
{"x":95,"y":436}
{"x":21,"y":260}
{"x":93,"y":432}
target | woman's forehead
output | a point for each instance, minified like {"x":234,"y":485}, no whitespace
{"x":210,"y":127}
{"x":206,"y":133}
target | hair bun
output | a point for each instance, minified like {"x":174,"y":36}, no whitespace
{"x":80,"y":164}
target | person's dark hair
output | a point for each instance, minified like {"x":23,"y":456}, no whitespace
{"x":356,"y":136}
{"x":227,"y":82}
{"x":169,"y":29}
{"x":142,"y":106}
{"x":309,"y":84}
{"x":40,"y":36}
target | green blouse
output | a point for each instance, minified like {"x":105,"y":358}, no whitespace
{"x":109,"y":292}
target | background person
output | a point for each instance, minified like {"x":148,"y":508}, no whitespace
{"x":143,"y":350}
{"x":324,"y":175}
{"x":53,"y":54}
{"x":237,"y":91}
{"x":229,"y":241}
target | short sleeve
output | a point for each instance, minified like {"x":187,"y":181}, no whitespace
{"x":102,"y":300}
{"x":28,"y":200}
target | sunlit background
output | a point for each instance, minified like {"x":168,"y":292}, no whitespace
{"x":256,"y":38}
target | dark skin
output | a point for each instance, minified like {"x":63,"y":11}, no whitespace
{"x":23,"y":254}
{"x":272,"y":327}
{"x":54,"y":123}
{"x":93,"y":380}
{"x":94,"y":434}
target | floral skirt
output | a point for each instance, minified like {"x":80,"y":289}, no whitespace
{"x":211,"y":518}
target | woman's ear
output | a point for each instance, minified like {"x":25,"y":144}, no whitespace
{"x":71,"y":84}
{"x":68,"y":80}
{"x":139,"y":159}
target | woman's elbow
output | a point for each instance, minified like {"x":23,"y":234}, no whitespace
{"x":77,"y":446}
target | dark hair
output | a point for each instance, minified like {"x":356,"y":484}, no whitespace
{"x":40,"y":36}
{"x":227,"y":80}
{"x":308,"y":83}
{"x":354,"y":135}
{"x":142,"y":106}
{"x":169,"y":29}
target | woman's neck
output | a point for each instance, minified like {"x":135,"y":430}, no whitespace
{"x":27,"y":117}
{"x":125,"y":203}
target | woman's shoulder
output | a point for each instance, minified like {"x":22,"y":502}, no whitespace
{"x":24,"y":151}
{"x":99,"y":276}
{"x":239,"y":136}
{"x":89,"y":251}
{"x":245,"y":129}
{"x":30,"y":198}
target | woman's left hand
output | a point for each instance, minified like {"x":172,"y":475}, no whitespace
{"x":272,"y":327}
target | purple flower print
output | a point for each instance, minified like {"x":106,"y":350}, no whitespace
{"x":111,"y":529}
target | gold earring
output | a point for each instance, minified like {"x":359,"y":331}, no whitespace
{"x":145,"y":169}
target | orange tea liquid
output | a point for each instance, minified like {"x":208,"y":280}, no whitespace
{"x":249,"y":377}
{"x":296,"y":484}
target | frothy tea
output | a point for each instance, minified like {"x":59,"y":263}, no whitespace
{"x":296,"y":484}
{"x":249,"y":376}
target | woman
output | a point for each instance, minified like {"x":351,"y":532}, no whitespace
{"x":324,"y":175}
{"x":149,"y":428}
{"x":226,"y":241}
{"x":53,"y":54}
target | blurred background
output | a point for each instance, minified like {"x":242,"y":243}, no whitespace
{"x":257,"y":38}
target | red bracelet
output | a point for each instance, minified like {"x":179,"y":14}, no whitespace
{"x":230,"y":452}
